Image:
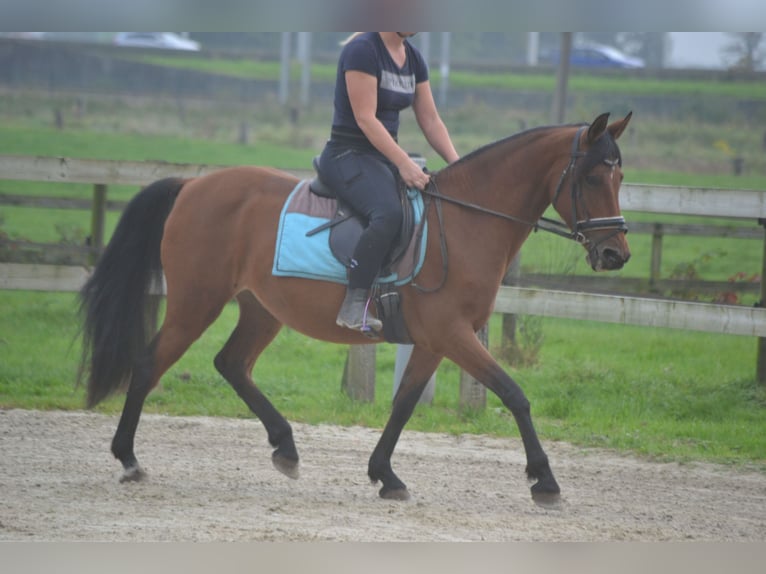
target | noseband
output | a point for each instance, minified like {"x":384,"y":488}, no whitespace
{"x":617,"y":224}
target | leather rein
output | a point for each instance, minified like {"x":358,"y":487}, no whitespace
{"x":617,"y":223}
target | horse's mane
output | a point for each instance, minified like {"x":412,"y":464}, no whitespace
{"x":606,"y":146}
{"x":538,"y":131}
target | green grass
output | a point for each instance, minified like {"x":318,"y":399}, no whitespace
{"x":660,"y":393}
{"x":45,"y":141}
{"x":718,"y":259}
{"x":581,"y":80}
{"x":53,"y":225}
{"x":665,"y":394}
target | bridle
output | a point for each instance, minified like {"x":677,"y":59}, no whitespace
{"x":617,"y":224}
{"x":559,"y":228}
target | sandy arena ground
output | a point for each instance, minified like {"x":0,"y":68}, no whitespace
{"x":211,"y":479}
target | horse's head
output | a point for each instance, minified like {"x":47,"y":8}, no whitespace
{"x":587,"y":193}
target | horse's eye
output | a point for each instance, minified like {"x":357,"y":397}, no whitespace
{"x":593,"y":180}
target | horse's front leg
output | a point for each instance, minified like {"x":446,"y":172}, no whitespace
{"x":470,"y":355}
{"x":420,"y":367}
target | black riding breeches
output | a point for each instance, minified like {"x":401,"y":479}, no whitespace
{"x":367,"y":181}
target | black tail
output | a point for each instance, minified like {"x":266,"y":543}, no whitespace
{"x":118,"y":315}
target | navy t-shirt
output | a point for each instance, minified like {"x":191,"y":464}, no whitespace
{"x":396,"y":86}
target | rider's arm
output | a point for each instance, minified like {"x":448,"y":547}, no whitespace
{"x":363,"y":95}
{"x":431,"y":124}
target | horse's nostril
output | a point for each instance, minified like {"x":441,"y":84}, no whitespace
{"x":612,"y":259}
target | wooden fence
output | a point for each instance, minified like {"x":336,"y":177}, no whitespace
{"x":728,"y":319}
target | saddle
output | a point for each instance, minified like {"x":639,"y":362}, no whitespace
{"x":346,"y":226}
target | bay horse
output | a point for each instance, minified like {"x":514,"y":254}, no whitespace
{"x":214,"y":238}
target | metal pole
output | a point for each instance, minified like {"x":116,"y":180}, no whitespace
{"x":284,"y":75}
{"x":403,"y":353}
{"x":562,"y":78}
{"x":533,"y":48}
{"x":761,"y":365}
{"x":444,"y":69}
{"x":304,"y":51}
{"x":512,"y":277}
{"x":425,"y":45}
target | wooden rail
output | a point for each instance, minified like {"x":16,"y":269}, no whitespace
{"x":746,"y":204}
{"x":659,"y":199}
{"x":727,"y":319}
{"x":688,"y":315}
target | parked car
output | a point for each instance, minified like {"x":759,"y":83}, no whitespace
{"x":599,"y":56}
{"x":23,"y":35}
{"x":164,"y":40}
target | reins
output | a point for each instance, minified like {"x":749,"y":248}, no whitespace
{"x":553,"y":226}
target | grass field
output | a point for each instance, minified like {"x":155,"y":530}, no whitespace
{"x":660,"y":393}
{"x":580,"y":80}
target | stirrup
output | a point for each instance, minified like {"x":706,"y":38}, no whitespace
{"x":353,"y":313}
{"x":367,"y":326}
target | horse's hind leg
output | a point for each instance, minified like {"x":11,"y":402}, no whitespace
{"x":420,"y":367}
{"x":179,"y":330}
{"x":254,"y":331}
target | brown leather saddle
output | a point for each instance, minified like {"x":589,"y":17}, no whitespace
{"x":346,"y":226}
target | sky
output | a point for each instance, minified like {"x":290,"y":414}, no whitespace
{"x":697,"y":49}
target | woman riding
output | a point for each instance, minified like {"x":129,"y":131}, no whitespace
{"x":379,"y":74}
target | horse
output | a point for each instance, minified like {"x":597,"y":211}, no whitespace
{"x":214,"y":237}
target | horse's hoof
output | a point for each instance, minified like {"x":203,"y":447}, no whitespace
{"x":546,"y":499}
{"x":133,"y":474}
{"x":394,"y":493}
{"x":287,"y":466}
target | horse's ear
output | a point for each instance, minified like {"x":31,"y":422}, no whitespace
{"x":616,"y":128}
{"x":597,"y":127}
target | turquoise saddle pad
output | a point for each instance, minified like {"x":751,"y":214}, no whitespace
{"x":297,"y":255}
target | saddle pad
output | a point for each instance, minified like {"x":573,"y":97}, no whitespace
{"x":310,"y":257}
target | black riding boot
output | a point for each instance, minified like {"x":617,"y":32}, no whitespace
{"x":353,"y":312}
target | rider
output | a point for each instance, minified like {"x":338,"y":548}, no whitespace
{"x":379,"y":74}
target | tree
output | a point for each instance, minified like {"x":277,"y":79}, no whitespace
{"x":743,"y":52}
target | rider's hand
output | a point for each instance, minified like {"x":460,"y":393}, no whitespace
{"x":413,"y":175}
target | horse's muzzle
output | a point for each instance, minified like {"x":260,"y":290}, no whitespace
{"x":607,"y":257}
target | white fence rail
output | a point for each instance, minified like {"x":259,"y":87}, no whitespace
{"x":710,"y":202}
{"x":108,"y":172}
{"x":692,"y":316}
{"x":727,"y":319}
{"x":633,"y":197}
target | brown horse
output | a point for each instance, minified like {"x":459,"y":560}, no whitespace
{"x":214,"y":238}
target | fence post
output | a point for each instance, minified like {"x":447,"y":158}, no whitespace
{"x":654,"y":271}
{"x":761,"y":365}
{"x":473,"y":395}
{"x":98,"y":216}
{"x":359,"y":373}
